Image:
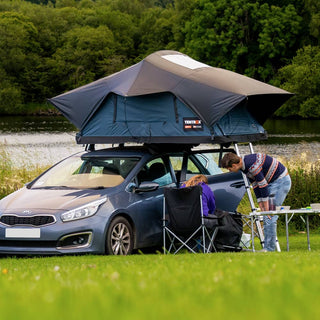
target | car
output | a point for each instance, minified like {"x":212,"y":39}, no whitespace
{"x":108,"y":201}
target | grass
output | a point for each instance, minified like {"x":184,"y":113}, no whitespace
{"x":241,"y":285}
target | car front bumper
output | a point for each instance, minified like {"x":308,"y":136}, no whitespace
{"x":75,"y":237}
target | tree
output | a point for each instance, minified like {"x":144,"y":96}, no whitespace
{"x":164,"y":3}
{"x":156,"y":30}
{"x":10,"y":94}
{"x":278,"y":32}
{"x":313,"y":7}
{"x":19,"y":52}
{"x":83,"y":57}
{"x":124,"y":29}
{"x":302,"y":77}
{"x":243,"y":36}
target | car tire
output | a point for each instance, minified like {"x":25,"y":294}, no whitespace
{"x":119,"y":239}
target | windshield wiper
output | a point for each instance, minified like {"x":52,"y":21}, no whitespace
{"x":55,"y":187}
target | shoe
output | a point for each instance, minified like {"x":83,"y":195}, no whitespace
{"x":263,"y":250}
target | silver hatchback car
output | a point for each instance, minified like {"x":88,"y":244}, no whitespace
{"x":107,"y":201}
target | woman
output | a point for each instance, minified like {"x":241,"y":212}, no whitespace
{"x":208,"y":199}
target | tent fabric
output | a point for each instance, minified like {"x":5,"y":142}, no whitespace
{"x":201,"y":92}
{"x":128,"y":119}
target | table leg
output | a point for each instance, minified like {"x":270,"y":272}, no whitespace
{"x":308,"y":234}
{"x":287,"y":231}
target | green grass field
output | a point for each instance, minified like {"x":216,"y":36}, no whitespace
{"x":243,"y":285}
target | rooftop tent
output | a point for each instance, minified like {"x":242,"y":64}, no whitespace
{"x":162,"y":118}
{"x":170,"y":98}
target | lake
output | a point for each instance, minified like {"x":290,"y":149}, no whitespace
{"x":45,"y":140}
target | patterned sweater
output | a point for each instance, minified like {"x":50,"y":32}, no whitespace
{"x":262,"y":170}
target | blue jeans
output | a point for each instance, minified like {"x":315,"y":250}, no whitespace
{"x":279,"y":189}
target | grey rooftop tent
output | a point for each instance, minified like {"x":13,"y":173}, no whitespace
{"x":170,"y":98}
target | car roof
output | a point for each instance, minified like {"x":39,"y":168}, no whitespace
{"x":131,"y":151}
{"x":146,"y":150}
{"x":137,"y":150}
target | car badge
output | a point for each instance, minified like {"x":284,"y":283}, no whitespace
{"x":27,"y":211}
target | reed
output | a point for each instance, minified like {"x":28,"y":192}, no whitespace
{"x":12,"y":178}
{"x":305,"y":190}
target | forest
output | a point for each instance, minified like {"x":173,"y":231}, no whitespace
{"x":48,"y":47}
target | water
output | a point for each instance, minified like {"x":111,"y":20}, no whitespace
{"x":40,"y":141}
{"x":33,"y":124}
{"x":292,"y":138}
{"x":46,"y":140}
{"x":292,"y":131}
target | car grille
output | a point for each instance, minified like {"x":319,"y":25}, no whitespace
{"x":39,"y":220}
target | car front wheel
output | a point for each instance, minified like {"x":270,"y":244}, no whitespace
{"x":119,"y":239}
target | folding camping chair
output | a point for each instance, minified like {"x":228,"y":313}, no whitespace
{"x":183,"y":221}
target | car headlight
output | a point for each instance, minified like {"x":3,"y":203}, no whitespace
{"x":84,"y":211}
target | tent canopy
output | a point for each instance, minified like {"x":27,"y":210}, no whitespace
{"x":169,"y":97}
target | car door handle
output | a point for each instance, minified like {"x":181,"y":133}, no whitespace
{"x":237,"y":185}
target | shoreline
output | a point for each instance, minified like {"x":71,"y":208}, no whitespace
{"x":45,"y":149}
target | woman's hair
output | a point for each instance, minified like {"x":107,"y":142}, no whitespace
{"x":195,"y":180}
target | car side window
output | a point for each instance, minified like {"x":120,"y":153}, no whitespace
{"x":176,"y":163}
{"x":155,"y":171}
{"x":197,"y":163}
{"x":210,"y":161}
{"x":203,"y":163}
{"x":192,"y":168}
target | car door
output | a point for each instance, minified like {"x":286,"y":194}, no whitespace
{"x":146,"y":206}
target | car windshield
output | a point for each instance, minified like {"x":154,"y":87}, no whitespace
{"x":87,"y":172}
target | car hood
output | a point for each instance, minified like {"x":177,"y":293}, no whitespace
{"x":47,"y":201}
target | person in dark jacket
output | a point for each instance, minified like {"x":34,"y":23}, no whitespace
{"x":268,"y":177}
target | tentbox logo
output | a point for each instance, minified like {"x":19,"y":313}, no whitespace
{"x":191,"y":124}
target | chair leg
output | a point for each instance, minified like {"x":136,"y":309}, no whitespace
{"x":170,"y":240}
{"x":184,"y":243}
{"x":172,"y":237}
{"x":211,"y":240}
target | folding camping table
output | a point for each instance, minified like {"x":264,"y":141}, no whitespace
{"x":303,"y":212}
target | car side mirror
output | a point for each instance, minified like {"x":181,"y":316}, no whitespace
{"x":146,"y":186}
{"x":131,"y":187}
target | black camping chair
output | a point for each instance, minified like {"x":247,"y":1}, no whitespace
{"x":183,"y":222}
